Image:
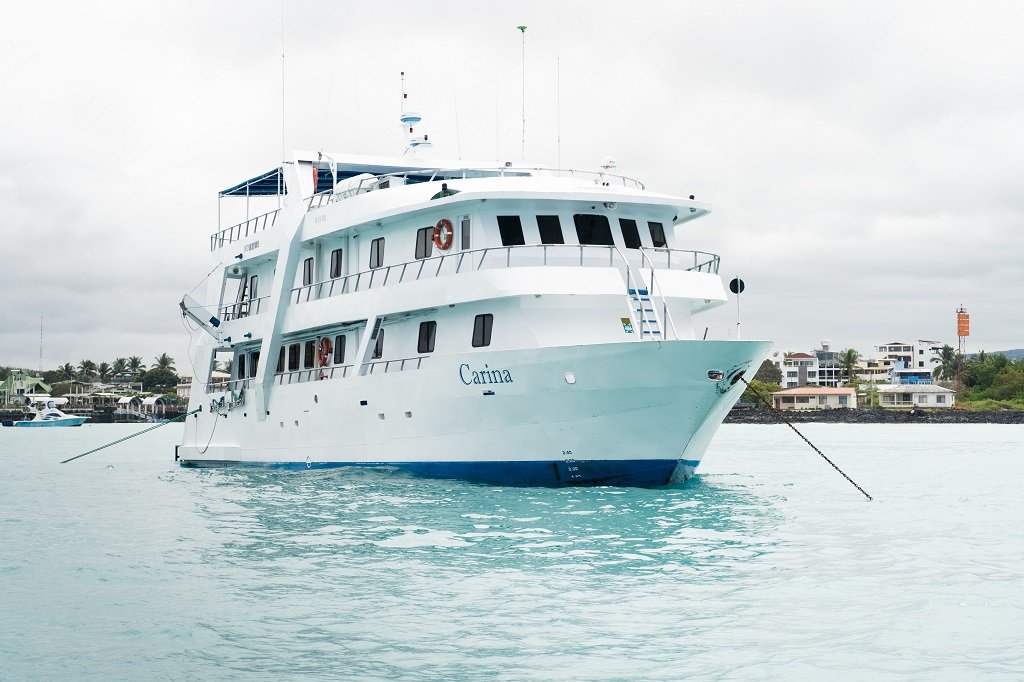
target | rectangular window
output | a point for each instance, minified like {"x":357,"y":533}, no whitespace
{"x":812,"y":375}
{"x":593,"y":229}
{"x":293,"y":357}
{"x":241,"y":366}
{"x":791,"y":374}
{"x":940,"y":399}
{"x":657,"y":234}
{"x":252,"y":286}
{"x":309,"y":354}
{"x":550,"y":229}
{"x":280,"y":361}
{"x":307,"y":272}
{"x":254,"y":362}
{"x":339,"y":349}
{"x":378,"y":347}
{"x":336,"y":263}
{"x":802,"y":400}
{"x":466,"y":241}
{"x":822,"y":400}
{"x":921,"y":399}
{"x":482,"y":330}
{"x":511,"y":230}
{"x":844,"y":400}
{"x":630,"y":233}
{"x":377,"y":253}
{"x":424,"y":242}
{"x":428,"y":330}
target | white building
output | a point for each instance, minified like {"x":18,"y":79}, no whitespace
{"x":814,"y":398}
{"x":910,"y":363}
{"x":916,"y":395}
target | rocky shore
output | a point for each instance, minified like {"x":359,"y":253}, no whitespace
{"x":875,"y":416}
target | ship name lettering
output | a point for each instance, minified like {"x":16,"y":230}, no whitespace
{"x":470,"y":376}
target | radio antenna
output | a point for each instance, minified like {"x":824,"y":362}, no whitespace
{"x":280,"y":174}
{"x":522,"y":30}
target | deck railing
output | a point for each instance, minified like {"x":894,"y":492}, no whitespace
{"x":243,"y":229}
{"x":300,"y":376}
{"x":242,"y":309}
{"x":496,"y":257}
{"x":398,"y":365}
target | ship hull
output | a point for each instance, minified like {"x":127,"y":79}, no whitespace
{"x":632,"y":414}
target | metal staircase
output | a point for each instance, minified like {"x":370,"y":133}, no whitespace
{"x":645,"y":314}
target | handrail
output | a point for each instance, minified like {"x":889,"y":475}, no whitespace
{"x":456,"y":262}
{"x":247,"y":308}
{"x":400,"y":361}
{"x":236,"y":232}
{"x":299,"y":376}
{"x":661,"y":293}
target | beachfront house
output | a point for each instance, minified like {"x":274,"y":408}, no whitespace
{"x":814,"y":398}
{"x":903,"y":396}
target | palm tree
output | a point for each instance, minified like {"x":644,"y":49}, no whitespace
{"x":104,"y":371}
{"x":67,"y":371}
{"x":848,"y":360}
{"x":120,"y":366}
{"x":947,"y":360}
{"x":135,"y":365}
{"x":164,"y":361}
{"x":86,"y":368}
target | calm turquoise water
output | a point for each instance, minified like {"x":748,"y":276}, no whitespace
{"x":768,"y":565}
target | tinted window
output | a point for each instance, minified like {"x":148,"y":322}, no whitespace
{"x":428,"y":330}
{"x":254,"y":362}
{"x":378,"y":348}
{"x":336,"y":263}
{"x":339,"y":349}
{"x":280,"y":361}
{"x":307,"y":272}
{"x":593,"y":229}
{"x":241,"y":366}
{"x":630,"y":233}
{"x":465,"y":233}
{"x":550,"y":229}
{"x":482,"y":330}
{"x":377,"y":252}
{"x":309,"y":354}
{"x":511,"y":230}
{"x":293,"y":357}
{"x":424,"y":242}
{"x":657,"y":234}
{"x":252,"y":286}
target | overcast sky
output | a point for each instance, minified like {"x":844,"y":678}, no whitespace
{"x":864,"y":161}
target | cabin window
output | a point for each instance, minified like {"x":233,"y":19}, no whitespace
{"x":511,"y":230}
{"x":424,"y":242}
{"x":428,"y":331}
{"x":593,"y":228}
{"x":280,"y":361}
{"x":336,"y":263}
{"x":241,"y":366}
{"x":482,"y":330}
{"x":550,"y":229}
{"x":630,"y":233}
{"x":377,"y":253}
{"x":466,"y":242}
{"x":307,"y":272}
{"x":339,"y":349}
{"x":254,"y":362}
{"x":252,"y":286}
{"x":293,"y":357}
{"x":309,"y":354}
{"x":657,"y":234}
{"x":378,"y":347}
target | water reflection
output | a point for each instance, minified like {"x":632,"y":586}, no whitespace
{"x":346,"y":518}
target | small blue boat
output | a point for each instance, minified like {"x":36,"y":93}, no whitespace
{"x":47,"y":416}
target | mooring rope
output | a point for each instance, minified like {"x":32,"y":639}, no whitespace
{"x":121,"y":440}
{"x":778,"y":413}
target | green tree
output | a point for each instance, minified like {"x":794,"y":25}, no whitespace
{"x":136,"y":366}
{"x":848,"y":360}
{"x":759,"y":392}
{"x":86,"y":370}
{"x":947,"y":362}
{"x":164,"y":361}
{"x":769,"y":373}
{"x":120,"y":366}
{"x":67,"y":371}
{"x":159,"y":379}
{"x":104,"y":372}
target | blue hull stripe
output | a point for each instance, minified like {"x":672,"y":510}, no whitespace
{"x":632,"y":473}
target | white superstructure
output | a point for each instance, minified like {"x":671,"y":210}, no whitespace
{"x":515,"y":325}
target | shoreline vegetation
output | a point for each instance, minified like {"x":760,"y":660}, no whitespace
{"x":875,"y":415}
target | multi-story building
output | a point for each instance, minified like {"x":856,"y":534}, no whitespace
{"x":910,"y":363}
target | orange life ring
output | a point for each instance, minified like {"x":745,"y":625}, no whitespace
{"x":323,"y":355}
{"x":443,"y":234}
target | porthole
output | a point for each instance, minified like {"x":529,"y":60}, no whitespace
{"x":716,"y":374}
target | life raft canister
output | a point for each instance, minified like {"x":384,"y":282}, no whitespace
{"x":323,"y":355}
{"x":443,"y":234}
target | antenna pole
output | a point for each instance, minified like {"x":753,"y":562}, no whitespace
{"x":522,"y":30}
{"x":280,"y":175}
{"x":40,"y":345}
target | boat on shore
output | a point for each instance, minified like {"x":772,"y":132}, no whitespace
{"x":513,"y":325}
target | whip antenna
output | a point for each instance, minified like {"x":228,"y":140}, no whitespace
{"x":522,"y":30}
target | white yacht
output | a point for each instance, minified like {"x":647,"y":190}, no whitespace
{"x":513,"y":325}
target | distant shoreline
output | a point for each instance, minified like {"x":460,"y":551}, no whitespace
{"x":876,"y":416}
